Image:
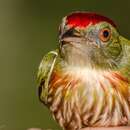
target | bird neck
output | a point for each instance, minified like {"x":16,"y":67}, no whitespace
{"x":88,"y":59}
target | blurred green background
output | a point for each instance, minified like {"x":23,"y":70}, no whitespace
{"x":28,"y":30}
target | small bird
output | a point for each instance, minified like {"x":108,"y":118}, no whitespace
{"x":86,"y":81}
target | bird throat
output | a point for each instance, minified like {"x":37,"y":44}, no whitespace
{"x":85,"y":56}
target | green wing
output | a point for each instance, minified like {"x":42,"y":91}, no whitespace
{"x":124,"y":65}
{"x":44,"y":72}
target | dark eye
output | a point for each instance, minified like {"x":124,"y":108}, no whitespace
{"x":105,"y":34}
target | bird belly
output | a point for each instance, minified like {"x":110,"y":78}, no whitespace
{"x":89,"y":98}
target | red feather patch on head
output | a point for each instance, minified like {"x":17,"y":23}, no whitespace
{"x":83,"y":19}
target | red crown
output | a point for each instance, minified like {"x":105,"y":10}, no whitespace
{"x":83,"y":19}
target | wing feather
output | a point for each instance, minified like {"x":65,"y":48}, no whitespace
{"x":44,"y":72}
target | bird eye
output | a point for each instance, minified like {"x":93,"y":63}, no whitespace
{"x":105,"y":34}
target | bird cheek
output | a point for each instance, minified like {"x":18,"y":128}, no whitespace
{"x":101,"y":43}
{"x":98,"y":43}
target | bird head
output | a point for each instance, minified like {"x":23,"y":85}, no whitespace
{"x":89,"y":39}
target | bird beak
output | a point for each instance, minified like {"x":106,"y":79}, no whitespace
{"x":78,"y":40}
{"x":69,"y":36}
{"x":71,"y":39}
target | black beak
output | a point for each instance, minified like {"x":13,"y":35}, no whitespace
{"x":69,"y":33}
{"x":69,"y":36}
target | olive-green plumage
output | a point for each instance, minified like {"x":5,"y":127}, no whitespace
{"x":86,"y":81}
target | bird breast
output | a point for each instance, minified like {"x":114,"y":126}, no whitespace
{"x":87,"y":97}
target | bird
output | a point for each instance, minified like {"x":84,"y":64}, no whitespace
{"x":85,"y":82}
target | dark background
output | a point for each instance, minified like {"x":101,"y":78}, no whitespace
{"x":28,"y":30}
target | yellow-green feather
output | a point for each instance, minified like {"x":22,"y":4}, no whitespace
{"x":44,"y":73}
